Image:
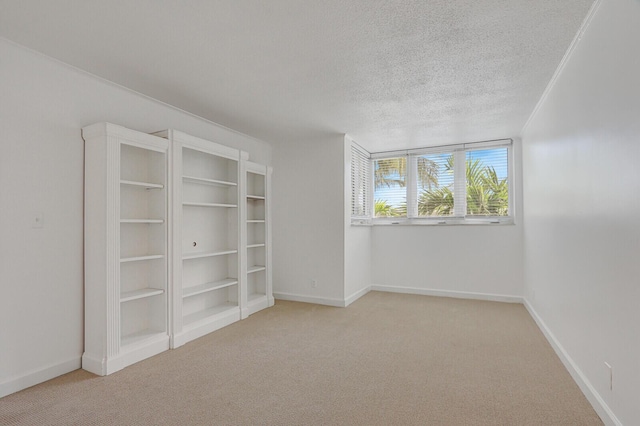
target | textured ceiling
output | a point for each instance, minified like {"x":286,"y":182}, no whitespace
{"x":391,"y":73}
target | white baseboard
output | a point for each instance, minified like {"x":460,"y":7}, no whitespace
{"x":594,"y":398}
{"x":34,"y":377}
{"x":357,"y":295}
{"x":310,"y":299}
{"x":448,"y":293}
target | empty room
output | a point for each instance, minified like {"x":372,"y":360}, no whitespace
{"x":291,"y":212}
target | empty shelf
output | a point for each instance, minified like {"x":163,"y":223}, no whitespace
{"x":255,"y":245}
{"x":206,"y":181}
{"x":207,"y":254}
{"x":255,"y":268}
{"x":141,"y":220}
{"x":255,"y":297}
{"x":139,"y":258}
{"x":209,"y":205}
{"x":139,"y":294}
{"x":203,"y":288}
{"x":140,"y":336}
{"x":255,"y":197}
{"x":145,"y":185}
{"x":208,"y":313}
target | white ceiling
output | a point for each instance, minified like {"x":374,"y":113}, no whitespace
{"x":392,"y":74}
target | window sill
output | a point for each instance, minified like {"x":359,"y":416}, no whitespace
{"x":434,"y":222}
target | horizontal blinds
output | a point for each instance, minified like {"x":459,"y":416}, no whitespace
{"x":360,"y":183}
{"x":390,"y":195}
{"x":435,"y":184}
{"x":487,"y":183}
{"x":464,"y":180}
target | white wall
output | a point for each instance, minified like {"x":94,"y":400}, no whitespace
{"x":43,"y":106}
{"x":357,"y":242}
{"x":582,"y":204}
{"x":474,"y":261}
{"x":308,"y":220}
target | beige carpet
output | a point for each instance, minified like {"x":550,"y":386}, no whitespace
{"x":388,"y":359}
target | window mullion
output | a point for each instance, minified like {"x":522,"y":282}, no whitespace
{"x":459,"y":183}
{"x":412,"y":186}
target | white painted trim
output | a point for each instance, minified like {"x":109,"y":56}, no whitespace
{"x":565,"y":59}
{"x":34,"y":377}
{"x":310,"y":299}
{"x":256,"y":306}
{"x":357,"y":295}
{"x":448,"y":293}
{"x":603,"y":410}
{"x":205,"y":326}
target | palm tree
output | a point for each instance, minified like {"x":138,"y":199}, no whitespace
{"x":486,"y":193}
{"x":384,"y":209}
{"x":436,"y":202}
{"x":390,"y":172}
{"x":393,"y":171}
{"x":489,"y":196}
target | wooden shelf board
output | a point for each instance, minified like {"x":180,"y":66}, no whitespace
{"x":207,"y":254}
{"x":140,"y":336}
{"x":141,"y":220}
{"x":139,"y":258}
{"x":208,"y":313}
{"x":206,"y":181}
{"x":127,"y":296}
{"x":255,"y":268}
{"x":145,"y":185}
{"x":212,"y":286}
{"x":191,"y":204}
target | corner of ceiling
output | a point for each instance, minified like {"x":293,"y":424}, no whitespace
{"x":565,"y":59}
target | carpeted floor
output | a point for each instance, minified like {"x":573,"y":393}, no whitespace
{"x":388,"y":359}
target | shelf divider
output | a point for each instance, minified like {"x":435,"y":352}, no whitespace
{"x":208,"y":254}
{"x":206,"y":181}
{"x":212,"y":286}
{"x":139,"y":258}
{"x":145,"y":185}
{"x":255,"y":268}
{"x":192,"y":204}
{"x":128,"y":296}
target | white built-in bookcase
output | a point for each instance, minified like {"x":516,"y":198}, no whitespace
{"x":257,"y":229}
{"x":207,"y":278}
{"x":126,"y":247}
{"x":177,"y":242}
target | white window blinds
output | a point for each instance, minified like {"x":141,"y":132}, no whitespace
{"x":360,"y":183}
{"x":390,"y":196}
{"x":487,"y":183}
{"x":463,"y":182}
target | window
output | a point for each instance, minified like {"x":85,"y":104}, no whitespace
{"x":457,"y":184}
{"x":360,"y":184}
{"x":390,"y":197}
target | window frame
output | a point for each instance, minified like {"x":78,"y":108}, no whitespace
{"x":460,"y":217}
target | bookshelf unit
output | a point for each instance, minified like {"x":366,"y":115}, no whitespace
{"x":126,"y":247}
{"x":256,"y":265}
{"x":206,"y":238}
